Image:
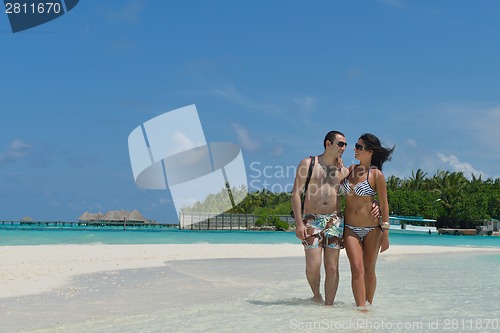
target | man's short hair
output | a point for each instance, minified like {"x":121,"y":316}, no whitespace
{"x":330,"y":136}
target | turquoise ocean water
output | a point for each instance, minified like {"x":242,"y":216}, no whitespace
{"x":33,"y":235}
{"x":441,"y":292}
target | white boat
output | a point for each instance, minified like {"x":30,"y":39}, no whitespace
{"x":412,"y":224}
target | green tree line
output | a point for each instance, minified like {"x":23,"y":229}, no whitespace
{"x":449,"y":197}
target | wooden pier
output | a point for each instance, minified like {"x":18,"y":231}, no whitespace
{"x":457,"y":232}
{"x":59,"y":224}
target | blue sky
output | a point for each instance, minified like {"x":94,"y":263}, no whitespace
{"x":272,"y":76}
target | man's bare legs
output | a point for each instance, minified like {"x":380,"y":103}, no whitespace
{"x":313,"y":272}
{"x":331,"y":262}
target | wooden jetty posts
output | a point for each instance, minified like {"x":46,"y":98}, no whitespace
{"x":123,"y":224}
{"x":187,"y":221}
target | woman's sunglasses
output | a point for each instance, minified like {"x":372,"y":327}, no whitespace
{"x":359,"y":147}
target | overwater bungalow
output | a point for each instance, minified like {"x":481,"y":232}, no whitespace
{"x":114,"y":216}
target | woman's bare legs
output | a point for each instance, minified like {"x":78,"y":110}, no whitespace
{"x":362,"y":258}
{"x":354,"y":250}
{"x":371,"y":246}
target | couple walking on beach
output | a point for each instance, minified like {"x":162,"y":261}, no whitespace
{"x":316,"y":207}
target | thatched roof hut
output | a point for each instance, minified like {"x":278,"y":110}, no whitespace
{"x":136,"y":216}
{"x":114,"y":216}
{"x":87,"y":217}
{"x":99,"y":216}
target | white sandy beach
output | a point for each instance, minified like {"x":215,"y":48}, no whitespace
{"x":233,"y":287}
{"x":35,"y":269}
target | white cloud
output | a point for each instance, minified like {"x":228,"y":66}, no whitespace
{"x":459,"y":166}
{"x":244,"y":138}
{"x":306,"y":106}
{"x":409,"y":156}
{"x":306,"y":103}
{"x":412,"y":143}
{"x":17,"y":150}
{"x":231,"y":94}
{"x":183,"y":142}
{"x":277,"y":150}
{"x":444,"y":134}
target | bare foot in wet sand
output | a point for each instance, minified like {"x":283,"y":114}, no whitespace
{"x":365,"y":308}
{"x":318,"y":299}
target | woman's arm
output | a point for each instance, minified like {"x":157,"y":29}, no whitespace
{"x":381,"y":188}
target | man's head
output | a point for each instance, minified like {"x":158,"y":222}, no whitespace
{"x":335,"y":144}
{"x":335,"y":137}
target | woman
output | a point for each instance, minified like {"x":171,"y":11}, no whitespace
{"x":365,"y":235}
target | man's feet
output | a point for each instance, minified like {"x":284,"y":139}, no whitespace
{"x":318,"y":299}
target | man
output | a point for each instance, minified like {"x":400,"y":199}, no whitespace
{"x":318,"y":226}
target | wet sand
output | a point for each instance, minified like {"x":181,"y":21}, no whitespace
{"x":51,"y":285}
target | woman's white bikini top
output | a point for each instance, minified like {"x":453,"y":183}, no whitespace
{"x":362,"y":188}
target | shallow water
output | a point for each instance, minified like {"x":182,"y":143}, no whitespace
{"x":82,"y":235}
{"x":416,"y":293}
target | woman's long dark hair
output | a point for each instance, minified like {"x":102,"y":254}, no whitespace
{"x":380,"y":154}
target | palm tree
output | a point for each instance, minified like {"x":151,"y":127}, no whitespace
{"x":393,"y":182}
{"x":417,"y":180}
{"x":450,"y":187}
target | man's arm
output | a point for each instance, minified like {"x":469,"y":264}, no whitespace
{"x":375,"y":209}
{"x":298,"y":187}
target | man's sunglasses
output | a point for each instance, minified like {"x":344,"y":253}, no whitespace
{"x":359,"y":147}
{"x":341,"y":144}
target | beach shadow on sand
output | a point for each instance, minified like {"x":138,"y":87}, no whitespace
{"x":290,"y":301}
{"x":294,"y":301}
